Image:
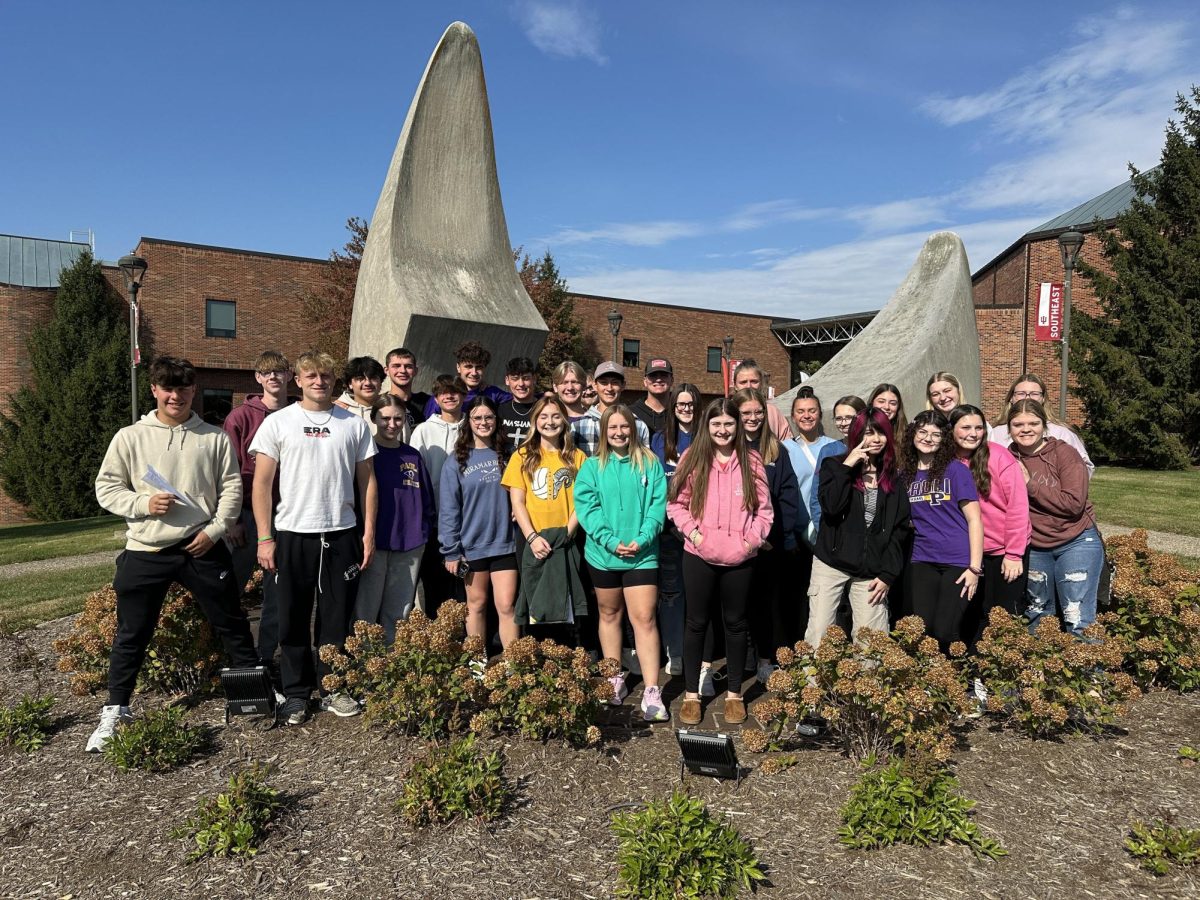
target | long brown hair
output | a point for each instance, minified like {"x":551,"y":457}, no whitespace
{"x":769,"y":447}
{"x":531,"y":447}
{"x":698,"y":460}
{"x":900,"y":423}
{"x":979,"y":456}
{"x":671,"y":428}
{"x":465,"y":442}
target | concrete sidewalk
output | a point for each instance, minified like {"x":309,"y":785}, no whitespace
{"x":1164,"y":541}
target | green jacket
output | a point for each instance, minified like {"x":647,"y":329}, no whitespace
{"x":551,"y":591}
{"x":619,"y":505}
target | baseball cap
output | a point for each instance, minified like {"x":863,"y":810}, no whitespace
{"x":608,"y":368}
{"x":658,"y":364}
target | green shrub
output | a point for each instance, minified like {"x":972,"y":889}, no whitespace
{"x":911,"y":801}
{"x":1189,"y":754}
{"x":157,"y":742}
{"x":451,"y":782}
{"x":233,"y":822}
{"x":1158,"y":845}
{"x":1050,"y":681}
{"x":26,"y":724}
{"x":182,"y":658}
{"x":1156,"y":615}
{"x":422,"y":683}
{"x":674,"y":848}
{"x":545,"y":690}
{"x":880,"y":694}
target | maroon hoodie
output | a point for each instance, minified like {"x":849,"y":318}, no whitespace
{"x":241,"y":426}
{"x":1059,"y":509}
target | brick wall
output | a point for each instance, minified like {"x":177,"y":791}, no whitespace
{"x":683,"y":335}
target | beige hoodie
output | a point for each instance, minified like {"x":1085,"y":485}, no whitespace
{"x":195,"y":457}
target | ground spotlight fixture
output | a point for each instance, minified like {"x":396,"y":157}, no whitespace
{"x":249,"y":692}
{"x":708,"y":753}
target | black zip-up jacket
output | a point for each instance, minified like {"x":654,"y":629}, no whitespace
{"x":844,"y":541}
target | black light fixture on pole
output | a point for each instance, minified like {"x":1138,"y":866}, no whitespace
{"x":134,"y":269}
{"x":614,"y":325}
{"x":1069,"y":243}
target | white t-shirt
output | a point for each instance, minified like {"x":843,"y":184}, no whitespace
{"x":317,"y":453}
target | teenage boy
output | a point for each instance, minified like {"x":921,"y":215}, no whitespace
{"x":609,"y":379}
{"x":363,"y":377}
{"x":749,"y":375}
{"x":320,"y":451}
{"x":401,"y":365}
{"x":652,"y":409}
{"x":472,"y":360}
{"x":519,"y":377}
{"x":273,"y":372}
{"x":172,"y":535}
{"x":434,"y":439}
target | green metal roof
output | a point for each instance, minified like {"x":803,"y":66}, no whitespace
{"x":35,"y":262}
{"x":1105,"y":207}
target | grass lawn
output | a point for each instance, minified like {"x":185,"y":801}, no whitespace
{"x":1160,"y":501}
{"x":41,"y":596}
{"x":26,"y":543}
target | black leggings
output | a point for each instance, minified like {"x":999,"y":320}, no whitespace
{"x":706,"y":585}
{"x":937,"y":600}
{"x":994,"y":591}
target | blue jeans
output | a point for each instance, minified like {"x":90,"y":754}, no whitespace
{"x":1070,"y":574}
{"x":670,"y":593}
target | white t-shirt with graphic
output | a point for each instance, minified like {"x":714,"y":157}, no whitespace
{"x":317,"y":453}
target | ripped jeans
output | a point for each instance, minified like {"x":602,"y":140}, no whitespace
{"x":1069,"y":573}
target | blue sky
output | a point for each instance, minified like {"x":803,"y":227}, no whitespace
{"x":778,"y":157}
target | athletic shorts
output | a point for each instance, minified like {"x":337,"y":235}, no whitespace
{"x":607,"y":579}
{"x":505,"y":562}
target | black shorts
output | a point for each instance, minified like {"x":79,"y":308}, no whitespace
{"x":607,"y":579}
{"x":505,"y":562}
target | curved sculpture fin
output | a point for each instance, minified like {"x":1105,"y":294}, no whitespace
{"x":437,"y":268}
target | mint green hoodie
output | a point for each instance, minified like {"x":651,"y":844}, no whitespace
{"x":619,"y":505}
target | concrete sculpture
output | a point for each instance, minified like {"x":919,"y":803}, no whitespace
{"x":927,"y":326}
{"x":437,"y":268}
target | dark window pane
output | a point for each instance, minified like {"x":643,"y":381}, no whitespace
{"x":220,"y":318}
{"x":714,"y":359}
{"x":632,"y":353}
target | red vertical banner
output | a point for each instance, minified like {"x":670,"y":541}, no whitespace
{"x":1049,"y":312}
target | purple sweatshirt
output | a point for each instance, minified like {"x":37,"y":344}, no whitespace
{"x":406,"y":513}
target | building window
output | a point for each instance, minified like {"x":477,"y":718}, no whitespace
{"x":714,"y":359}
{"x":632,"y":354}
{"x":217,"y":403}
{"x":220,"y":318}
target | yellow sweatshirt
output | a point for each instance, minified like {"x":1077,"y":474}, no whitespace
{"x":195,"y":458}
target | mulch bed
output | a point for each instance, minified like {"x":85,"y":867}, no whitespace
{"x":71,"y":825}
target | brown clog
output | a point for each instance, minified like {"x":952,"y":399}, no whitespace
{"x":689,"y":712}
{"x":735,"y":710}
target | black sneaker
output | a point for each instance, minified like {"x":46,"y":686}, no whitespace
{"x":294,"y":711}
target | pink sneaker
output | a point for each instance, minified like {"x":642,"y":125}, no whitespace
{"x":620,"y":692}
{"x":653,"y":708}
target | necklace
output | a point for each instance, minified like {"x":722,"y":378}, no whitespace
{"x":307,"y":416}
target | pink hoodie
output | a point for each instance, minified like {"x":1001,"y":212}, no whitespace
{"x":1005,"y":510}
{"x":726,"y":527}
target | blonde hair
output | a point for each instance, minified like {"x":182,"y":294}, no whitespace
{"x":531,"y":447}
{"x":639,"y":453}
{"x":315,"y":361}
{"x":559,"y":375}
{"x":950,"y":378}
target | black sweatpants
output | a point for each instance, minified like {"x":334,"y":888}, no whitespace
{"x":308,"y":567}
{"x":706,"y":587}
{"x":994,"y":591}
{"x":141,"y":584}
{"x":937,"y":600}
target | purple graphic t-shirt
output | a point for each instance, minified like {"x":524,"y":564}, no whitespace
{"x":941,"y":528}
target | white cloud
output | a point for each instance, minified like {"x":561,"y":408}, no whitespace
{"x":566,"y":28}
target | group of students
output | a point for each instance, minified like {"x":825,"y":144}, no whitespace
{"x":693,"y":523}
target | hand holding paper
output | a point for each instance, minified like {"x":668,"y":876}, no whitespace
{"x":155,"y":479}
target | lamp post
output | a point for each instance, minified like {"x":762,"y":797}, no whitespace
{"x":728,"y":342}
{"x":134,"y":269}
{"x":614,"y":325}
{"x":1069,"y":243}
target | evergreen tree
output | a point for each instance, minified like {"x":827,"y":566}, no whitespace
{"x":75,"y":397}
{"x":548,"y":290}
{"x":1137,"y":364}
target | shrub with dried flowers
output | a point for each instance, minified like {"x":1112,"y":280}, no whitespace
{"x":1156,"y":614}
{"x":881,"y":694}
{"x":1049,"y":681}
{"x":545,"y":690}
{"x":183,"y":656}
{"x":422,"y":683}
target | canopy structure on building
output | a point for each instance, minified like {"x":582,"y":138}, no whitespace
{"x":826,"y":330}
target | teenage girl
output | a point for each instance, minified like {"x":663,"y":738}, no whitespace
{"x":1031,"y":387}
{"x":887,"y":397}
{"x":943,"y":392}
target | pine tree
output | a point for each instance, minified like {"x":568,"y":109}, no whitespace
{"x":548,"y":290}
{"x":75,"y":398}
{"x":1137,"y":365}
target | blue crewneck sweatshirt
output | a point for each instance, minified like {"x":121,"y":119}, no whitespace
{"x":474,"y":518}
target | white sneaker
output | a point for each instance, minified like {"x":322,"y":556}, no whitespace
{"x":620,"y":691}
{"x":707,"y":688}
{"x":630,"y":662}
{"x":981,"y":693}
{"x":674,"y":666}
{"x":765,"y":668}
{"x":653,"y":708}
{"x":341,"y":705}
{"x":478,"y":667}
{"x":110,"y":718}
